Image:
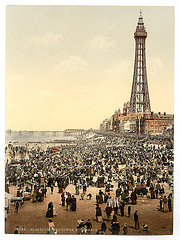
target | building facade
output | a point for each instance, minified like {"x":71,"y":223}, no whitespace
{"x":106,"y":125}
{"x":156,"y":123}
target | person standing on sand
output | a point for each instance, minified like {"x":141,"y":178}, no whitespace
{"x":98,"y":213}
{"x":77,"y":189}
{"x":16,"y":230}
{"x":52,"y":188}
{"x":103,"y":227}
{"x":165,"y":204}
{"x":17,"y":204}
{"x":63,"y":199}
{"x":88,"y":225}
{"x":68,"y":199}
{"x":108,"y":211}
{"x":49,"y":212}
{"x":136,"y":219}
{"x":115,"y":228}
{"x":115,"y":205}
{"x":51,"y":229}
{"x":129,"y":210}
{"x":73,"y":203}
{"x":125,"y":229}
{"x":160,"y":204}
{"x":122,"y":204}
{"x":169,"y":204}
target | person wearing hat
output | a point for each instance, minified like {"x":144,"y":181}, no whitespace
{"x":68,"y":200}
{"x":109,"y":201}
{"x":108,"y":211}
{"x":88,"y":225}
{"x":165,"y":204}
{"x":103,"y":227}
{"x":101,"y":197}
{"x":122,"y":205}
{"x":98,"y":213}
{"x":63,"y":199}
{"x":49,"y":212}
{"x":169,"y":204}
{"x":115,"y":205}
{"x":125,"y":229}
{"x":134,"y":197}
{"x":16,"y":230}
{"x":51,"y":229}
{"x":115,"y":228}
{"x":136,"y":219}
{"x":160,"y":204}
{"x":106,"y":197}
{"x":80,"y":227}
{"x":73,"y":203}
{"x":114,"y":218}
{"x":17,"y":204}
{"x":129,"y":210}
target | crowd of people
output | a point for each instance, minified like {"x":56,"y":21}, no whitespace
{"x":139,"y":169}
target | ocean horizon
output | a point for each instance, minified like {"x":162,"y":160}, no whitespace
{"x":36,"y":136}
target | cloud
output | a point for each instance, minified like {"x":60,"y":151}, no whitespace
{"x":100,"y":43}
{"x":46,"y":39}
{"x":72,"y":64}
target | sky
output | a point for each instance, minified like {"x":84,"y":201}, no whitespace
{"x":72,"y":66}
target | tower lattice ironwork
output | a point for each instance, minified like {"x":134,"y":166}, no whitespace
{"x":140,"y":101}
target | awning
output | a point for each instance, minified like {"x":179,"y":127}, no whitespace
{"x":29,"y":182}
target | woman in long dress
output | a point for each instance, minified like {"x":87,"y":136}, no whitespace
{"x":60,"y":188}
{"x":73,"y":204}
{"x":49,"y":212}
{"x":63,"y":199}
{"x":98,"y":214}
{"x":100,"y":197}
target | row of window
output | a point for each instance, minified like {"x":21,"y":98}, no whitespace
{"x":158,"y":123}
{"x":156,"y":127}
{"x":156,"y":131}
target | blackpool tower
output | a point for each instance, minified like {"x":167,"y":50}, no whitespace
{"x":140,"y":101}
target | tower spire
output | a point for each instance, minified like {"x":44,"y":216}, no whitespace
{"x":140,"y":21}
{"x":140,"y":14}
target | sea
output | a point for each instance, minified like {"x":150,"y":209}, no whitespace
{"x":36,"y":136}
